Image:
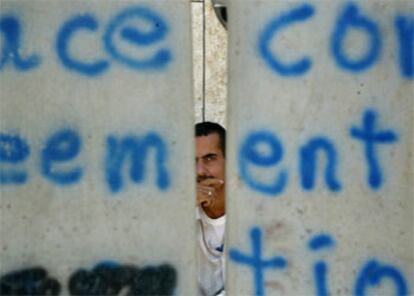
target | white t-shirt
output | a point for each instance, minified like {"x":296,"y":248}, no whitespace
{"x":210,"y":254}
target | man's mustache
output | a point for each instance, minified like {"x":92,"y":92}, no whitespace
{"x":202,"y":178}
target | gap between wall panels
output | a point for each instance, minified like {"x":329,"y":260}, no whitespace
{"x":209,"y":63}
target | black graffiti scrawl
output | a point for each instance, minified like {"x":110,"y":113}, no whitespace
{"x":104,"y":279}
{"x":30,"y":281}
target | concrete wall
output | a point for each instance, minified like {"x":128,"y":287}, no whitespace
{"x":321,"y":142}
{"x":96,"y":126}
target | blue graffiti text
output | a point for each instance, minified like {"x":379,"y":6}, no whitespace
{"x":134,"y":38}
{"x":351,"y":18}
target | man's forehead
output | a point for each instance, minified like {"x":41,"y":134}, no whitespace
{"x":208,"y":144}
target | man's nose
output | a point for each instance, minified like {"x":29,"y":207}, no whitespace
{"x":201,"y":169}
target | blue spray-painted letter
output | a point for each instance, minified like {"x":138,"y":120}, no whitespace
{"x":118,"y":149}
{"x":136,"y":37}
{"x":373,"y":273}
{"x":61,"y":147}
{"x":250,"y":154}
{"x":308,"y":163}
{"x":13,"y":150}
{"x":10,"y":27}
{"x":405,"y":33}
{"x":370,"y":136}
{"x":256,"y":262}
{"x":320,"y":268}
{"x":351,"y":18}
{"x":300,"y":13}
{"x":63,"y":41}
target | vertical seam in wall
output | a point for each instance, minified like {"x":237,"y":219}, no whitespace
{"x":203,"y":110}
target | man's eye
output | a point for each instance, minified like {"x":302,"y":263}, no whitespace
{"x":210,"y":158}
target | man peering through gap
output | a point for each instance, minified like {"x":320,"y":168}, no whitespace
{"x":210,"y":212}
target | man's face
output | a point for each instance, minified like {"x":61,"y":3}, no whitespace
{"x":209,"y":158}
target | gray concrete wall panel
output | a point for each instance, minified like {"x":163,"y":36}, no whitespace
{"x":320,"y":173}
{"x":96,"y":126}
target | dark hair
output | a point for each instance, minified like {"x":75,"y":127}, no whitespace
{"x":206,"y":128}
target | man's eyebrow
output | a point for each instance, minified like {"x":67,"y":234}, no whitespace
{"x":209,"y":155}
